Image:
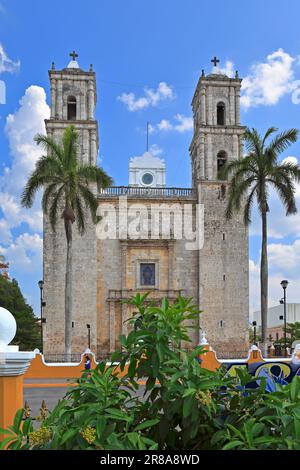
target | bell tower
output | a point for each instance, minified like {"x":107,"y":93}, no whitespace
{"x":73,"y":101}
{"x":223,"y":260}
{"x":217,"y":130}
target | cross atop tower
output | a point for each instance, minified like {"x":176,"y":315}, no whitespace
{"x":73,"y":55}
{"x":215,"y":61}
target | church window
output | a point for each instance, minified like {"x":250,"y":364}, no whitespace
{"x":147,"y":178}
{"x":221,"y":160}
{"x":221,"y":323}
{"x":221,"y":114}
{"x":71,"y":103}
{"x":147,"y":274}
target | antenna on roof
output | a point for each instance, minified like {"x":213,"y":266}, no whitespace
{"x":147,"y":146}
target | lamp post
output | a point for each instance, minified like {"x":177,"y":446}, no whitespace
{"x":89,"y":334}
{"x":42,"y":305}
{"x":254,"y":332}
{"x":284,"y":285}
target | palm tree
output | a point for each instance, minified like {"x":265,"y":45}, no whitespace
{"x":68,"y":191}
{"x":251,"y":179}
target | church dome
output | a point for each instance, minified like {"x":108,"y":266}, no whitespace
{"x":147,"y":170}
{"x":73,"y":64}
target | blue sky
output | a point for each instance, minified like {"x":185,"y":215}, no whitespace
{"x":134,"y":46}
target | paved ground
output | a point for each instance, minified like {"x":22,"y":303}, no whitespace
{"x":36,"y":394}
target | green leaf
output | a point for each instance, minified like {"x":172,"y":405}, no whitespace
{"x":147,"y":424}
{"x":6,"y":441}
{"x":18,"y":420}
{"x":150,"y":383}
{"x":117,"y":414}
{"x":100,"y":426}
{"x":218,"y":436}
{"x":132,"y":367}
{"x":187,"y":405}
{"x":68,"y":435}
{"x":7,"y":431}
{"x":189,"y":391}
{"x":27,"y":427}
{"x":122,"y":339}
{"x":233,"y":445}
{"x":295,"y":388}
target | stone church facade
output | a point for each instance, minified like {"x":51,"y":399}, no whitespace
{"x":107,"y":271}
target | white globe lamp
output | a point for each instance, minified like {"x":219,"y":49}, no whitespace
{"x":8,"y":328}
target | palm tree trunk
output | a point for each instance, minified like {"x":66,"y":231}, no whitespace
{"x":68,"y":291}
{"x":264,"y":283}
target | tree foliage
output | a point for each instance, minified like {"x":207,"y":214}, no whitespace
{"x":165,"y":400}
{"x":28,"y":330}
{"x":70,"y":187}
{"x":251,"y":179}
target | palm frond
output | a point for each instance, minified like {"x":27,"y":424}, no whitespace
{"x":93,"y":174}
{"x":48,"y":165}
{"x":286,"y":194}
{"x":89,"y":199}
{"x":282,"y":141}
{"x":80,"y":215}
{"x":57,"y":202}
{"x":237,"y":193}
{"x":34,"y":183}
{"x":269,"y":131}
{"x":70,"y":138}
{"x":49,"y":193}
{"x":253,"y":141}
{"x":50,"y":146}
{"x":248,"y":206}
{"x":291,"y":170}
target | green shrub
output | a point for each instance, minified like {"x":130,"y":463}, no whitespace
{"x":181,"y":405}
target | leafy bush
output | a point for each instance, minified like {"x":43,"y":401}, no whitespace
{"x":165,"y":400}
{"x":28,"y":336}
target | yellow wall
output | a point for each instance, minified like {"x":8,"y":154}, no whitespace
{"x":39,"y":370}
{"x":11,"y":399}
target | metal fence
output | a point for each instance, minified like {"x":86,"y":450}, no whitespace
{"x":75,"y":357}
{"x":114,"y":191}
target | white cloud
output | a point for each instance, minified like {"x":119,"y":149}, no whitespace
{"x":156,"y":150}
{"x":228,"y":69}
{"x":164,"y":125}
{"x":6,"y":64}
{"x":269,"y":80}
{"x":25,"y":253}
{"x":5,"y":233}
{"x":150,"y":98}
{"x":286,"y":257}
{"x":181,"y":124}
{"x":284,"y":262}
{"x":21,"y":127}
{"x":279,"y":225}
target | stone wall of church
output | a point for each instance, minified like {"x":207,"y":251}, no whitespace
{"x":223,"y":273}
{"x":84,"y":276}
{"x":118,"y":279}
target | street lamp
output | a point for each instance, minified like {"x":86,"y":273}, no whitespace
{"x":284,"y":285}
{"x":89,"y":334}
{"x":42,"y":305}
{"x":254,"y":332}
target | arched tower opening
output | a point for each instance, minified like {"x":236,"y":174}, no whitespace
{"x":221,"y":114}
{"x":221,"y":160}
{"x":71,"y":105}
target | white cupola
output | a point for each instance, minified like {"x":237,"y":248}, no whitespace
{"x":147,"y":171}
